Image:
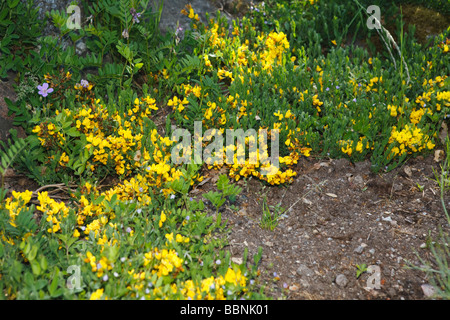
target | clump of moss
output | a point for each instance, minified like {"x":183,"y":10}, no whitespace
{"x":428,"y":22}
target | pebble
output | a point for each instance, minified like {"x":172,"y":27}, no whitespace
{"x":428,"y":290}
{"x":341,"y":280}
{"x":360,"y":248}
{"x":80,"y":48}
{"x":304,"y":283}
{"x":268,"y":243}
{"x":303,"y":270}
{"x":358,"y":180}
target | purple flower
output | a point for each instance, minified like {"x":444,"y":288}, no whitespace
{"x":44,"y":90}
{"x":84,"y":83}
{"x":135,"y":15}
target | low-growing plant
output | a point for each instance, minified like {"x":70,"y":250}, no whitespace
{"x":270,"y":217}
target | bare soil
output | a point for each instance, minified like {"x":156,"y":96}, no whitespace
{"x":340,"y":215}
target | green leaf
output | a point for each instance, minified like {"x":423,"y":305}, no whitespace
{"x":3,"y":14}
{"x":44,"y":263}
{"x":32,"y":253}
{"x":13,"y":3}
{"x":54,"y":284}
{"x":28,"y":279}
{"x":35,"y":267}
{"x":73,"y":132}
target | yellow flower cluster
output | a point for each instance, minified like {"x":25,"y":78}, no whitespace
{"x":49,"y":135}
{"x":410,"y":139}
{"x":276,"y":45}
{"x":372,"y":83}
{"x":16,"y":203}
{"x":347,"y":145}
{"x":163,"y":261}
{"x":100,"y":266}
{"x":54,"y":211}
{"x":177,"y":104}
{"x":97,"y":294}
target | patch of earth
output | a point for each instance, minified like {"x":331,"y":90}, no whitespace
{"x":339,"y":215}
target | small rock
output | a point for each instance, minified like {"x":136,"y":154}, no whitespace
{"x":341,"y":280}
{"x":358,"y":180}
{"x":80,"y":48}
{"x":360,"y":248}
{"x":408,"y":171}
{"x":428,"y":290}
{"x":304,"y":283}
{"x":303,"y":270}
{"x":237,"y":260}
{"x":268,"y":243}
{"x":293,"y":287}
{"x":392,"y":292}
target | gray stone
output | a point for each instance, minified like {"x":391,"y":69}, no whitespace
{"x":172,"y":18}
{"x":304,"y":271}
{"x":360,"y":248}
{"x":428,"y":290}
{"x":80,"y":48}
{"x":358,"y":181}
{"x":341,"y":280}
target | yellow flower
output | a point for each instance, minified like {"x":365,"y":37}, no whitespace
{"x":96,"y":295}
{"x":37,"y":129}
{"x":169,"y":236}
{"x":64,"y":159}
{"x":162,"y":219}
{"x":334,"y":42}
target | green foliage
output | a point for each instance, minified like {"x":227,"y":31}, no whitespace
{"x":19,"y":30}
{"x":270,"y":215}
{"x":327,"y":95}
{"x":8,"y":155}
{"x":227,"y":191}
{"x":360,"y":269}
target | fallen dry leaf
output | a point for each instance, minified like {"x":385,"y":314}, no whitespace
{"x":439,"y":155}
{"x":408,"y":171}
{"x":331,"y":195}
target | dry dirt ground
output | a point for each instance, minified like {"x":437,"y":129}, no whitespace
{"x":340,"y":215}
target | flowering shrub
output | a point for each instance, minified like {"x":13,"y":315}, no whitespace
{"x":126,"y":220}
